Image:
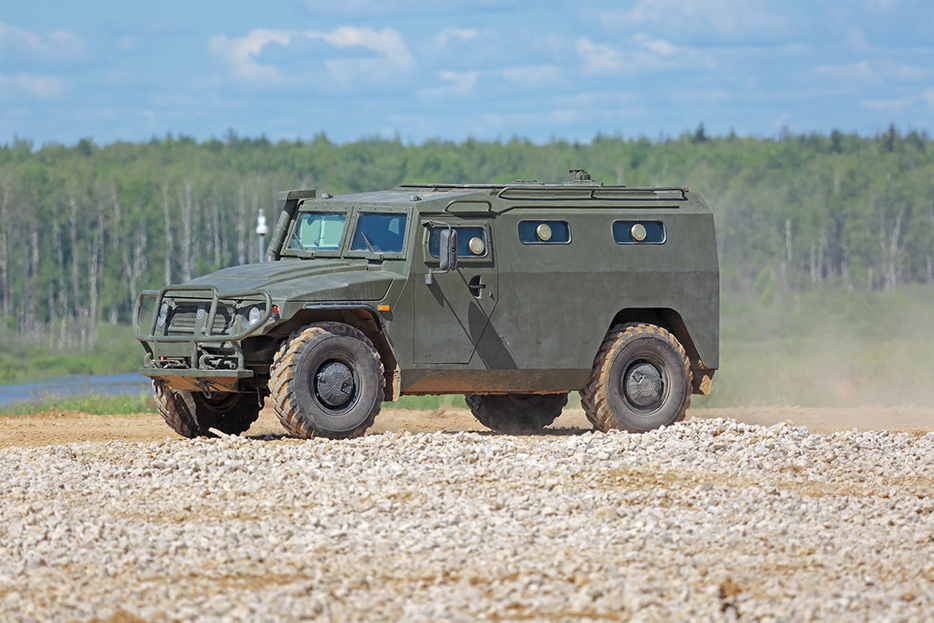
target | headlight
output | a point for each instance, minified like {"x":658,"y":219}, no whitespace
{"x":251,"y":317}
{"x":163,"y":315}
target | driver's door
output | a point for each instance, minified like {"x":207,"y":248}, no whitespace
{"x":453,"y":311}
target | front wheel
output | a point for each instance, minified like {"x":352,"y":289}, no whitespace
{"x":327,"y":381}
{"x":516,"y":412}
{"x":641,"y":380}
{"x":192,"y":414}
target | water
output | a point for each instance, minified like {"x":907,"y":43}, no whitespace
{"x":76,"y":385}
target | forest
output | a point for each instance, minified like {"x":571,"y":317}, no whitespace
{"x":84,"y":228}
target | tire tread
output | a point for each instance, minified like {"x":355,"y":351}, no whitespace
{"x":282,"y":391}
{"x":175,"y":411}
{"x":594,"y":393}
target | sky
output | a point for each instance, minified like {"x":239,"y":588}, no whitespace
{"x":451,"y":70}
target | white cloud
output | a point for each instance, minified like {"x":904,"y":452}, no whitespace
{"x":658,"y":46}
{"x":393,"y":55}
{"x":36,"y":87}
{"x":460,"y":84}
{"x":598,"y":58}
{"x":463,"y":34}
{"x":463,"y":81}
{"x":928,"y":96}
{"x":441,"y":41}
{"x":242,"y":56}
{"x":58,"y":46}
{"x":641,"y":54}
{"x":388,"y":43}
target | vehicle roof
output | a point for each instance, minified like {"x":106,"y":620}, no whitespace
{"x":580,"y":191}
{"x":586,"y":193}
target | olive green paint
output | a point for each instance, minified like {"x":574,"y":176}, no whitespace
{"x":517,"y":318}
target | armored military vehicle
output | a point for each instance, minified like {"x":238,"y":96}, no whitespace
{"x":511,"y":294}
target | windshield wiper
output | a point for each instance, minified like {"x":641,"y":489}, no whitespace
{"x":369,"y":245}
{"x":298,"y":242}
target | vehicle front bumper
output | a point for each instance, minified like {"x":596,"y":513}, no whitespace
{"x":199,"y":357}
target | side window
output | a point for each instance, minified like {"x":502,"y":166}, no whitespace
{"x":639,"y":232}
{"x":544,"y":232}
{"x":379,"y":233}
{"x":471,"y":241}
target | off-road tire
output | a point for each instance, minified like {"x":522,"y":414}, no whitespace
{"x":191,"y":414}
{"x":516,"y":413}
{"x":175,"y":410}
{"x":641,"y":380}
{"x":302,"y":377}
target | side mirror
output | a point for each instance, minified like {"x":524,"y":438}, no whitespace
{"x":447,"y":250}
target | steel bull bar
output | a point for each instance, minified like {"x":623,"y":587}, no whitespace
{"x":198,"y":376}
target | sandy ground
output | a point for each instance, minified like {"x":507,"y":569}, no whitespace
{"x":54,"y":429}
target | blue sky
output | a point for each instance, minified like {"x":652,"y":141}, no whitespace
{"x":488,"y":69}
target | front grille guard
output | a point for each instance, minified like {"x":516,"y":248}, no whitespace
{"x":203,"y":334}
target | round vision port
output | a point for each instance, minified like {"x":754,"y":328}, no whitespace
{"x":638,"y":232}
{"x":543,"y":232}
{"x":476,"y":245}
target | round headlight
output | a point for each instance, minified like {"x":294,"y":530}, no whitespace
{"x":163,"y":315}
{"x":252,"y":316}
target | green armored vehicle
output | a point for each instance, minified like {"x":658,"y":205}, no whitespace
{"x":511,"y":294}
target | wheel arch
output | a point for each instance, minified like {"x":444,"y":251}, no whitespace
{"x":671,"y":321}
{"x":362,"y":317}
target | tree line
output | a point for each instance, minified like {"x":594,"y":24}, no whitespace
{"x":84,"y":228}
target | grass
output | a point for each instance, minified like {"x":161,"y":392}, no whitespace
{"x":26,"y":358}
{"x":92,"y":404}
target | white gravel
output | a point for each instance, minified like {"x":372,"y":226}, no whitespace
{"x":710,"y":520}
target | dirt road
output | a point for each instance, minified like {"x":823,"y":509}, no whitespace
{"x":54,"y":429}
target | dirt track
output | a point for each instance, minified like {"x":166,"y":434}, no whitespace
{"x":54,"y":429}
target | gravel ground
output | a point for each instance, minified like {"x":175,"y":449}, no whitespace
{"x":709,"y":520}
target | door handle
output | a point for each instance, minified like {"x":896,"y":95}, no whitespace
{"x":475,"y":286}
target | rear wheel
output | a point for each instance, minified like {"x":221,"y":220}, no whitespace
{"x":192,"y":414}
{"x":641,"y":380}
{"x":516,"y":412}
{"x":327,"y":381}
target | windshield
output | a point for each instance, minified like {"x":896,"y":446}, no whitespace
{"x":318,"y":231}
{"x":379,"y":233}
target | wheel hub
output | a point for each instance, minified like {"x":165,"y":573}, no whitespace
{"x":334,"y":384}
{"x":643,"y":384}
